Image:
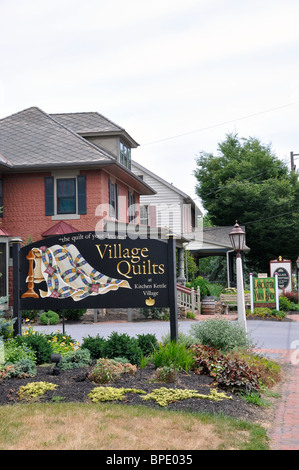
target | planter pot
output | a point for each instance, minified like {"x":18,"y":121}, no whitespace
{"x":208,"y":306}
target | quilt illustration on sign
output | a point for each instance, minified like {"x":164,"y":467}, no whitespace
{"x":68,"y":274}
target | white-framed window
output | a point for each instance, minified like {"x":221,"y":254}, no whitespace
{"x":125,"y":155}
{"x":144,"y":215}
{"x":65,"y":196}
{"x":113,"y":200}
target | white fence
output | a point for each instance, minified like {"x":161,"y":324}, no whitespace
{"x":188,"y":298}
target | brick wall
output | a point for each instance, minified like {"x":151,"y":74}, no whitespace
{"x":24,"y":204}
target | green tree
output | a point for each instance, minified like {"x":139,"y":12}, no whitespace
{"x":248,"y":183}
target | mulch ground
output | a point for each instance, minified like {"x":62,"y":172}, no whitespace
{"x":74,"y":386}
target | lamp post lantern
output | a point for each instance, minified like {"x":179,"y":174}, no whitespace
{"x":237,"y":237}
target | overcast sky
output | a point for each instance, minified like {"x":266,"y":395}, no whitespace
{"x":178,"y":75}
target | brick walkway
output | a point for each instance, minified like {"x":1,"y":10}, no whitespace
{"x":284,"y":433}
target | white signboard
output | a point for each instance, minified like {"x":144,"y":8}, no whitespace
{"x":283,"y":268}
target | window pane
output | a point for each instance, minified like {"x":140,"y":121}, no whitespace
{"x":125,"y":155}
{"x":66,"y":196}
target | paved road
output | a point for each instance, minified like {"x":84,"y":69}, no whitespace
{"x":264,"y":334}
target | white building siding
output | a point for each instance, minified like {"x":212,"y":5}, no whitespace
{"x":169,"y":204}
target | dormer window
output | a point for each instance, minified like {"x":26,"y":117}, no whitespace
{"x":125,"y":155}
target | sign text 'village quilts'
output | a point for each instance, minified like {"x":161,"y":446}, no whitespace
{"x":95,"y":270}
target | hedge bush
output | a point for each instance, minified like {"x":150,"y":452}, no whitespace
{"x":95,"y":345}
{"x":122,"y":345}
{"x":37,"y":343}
{"x":220,"y":334}
{"x":49,"y":318}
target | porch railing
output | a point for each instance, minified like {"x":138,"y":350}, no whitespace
{"x":189,"y":298}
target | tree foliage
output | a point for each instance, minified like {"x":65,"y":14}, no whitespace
{"x":248,"y":183}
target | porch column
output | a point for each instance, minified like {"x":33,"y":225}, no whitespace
{"x":181,"y":267}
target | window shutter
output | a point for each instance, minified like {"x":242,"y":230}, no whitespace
{"x":116,"y":202}
{"x":49,"y":195}
{"x":81,"y":194}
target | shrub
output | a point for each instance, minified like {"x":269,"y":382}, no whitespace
{"x":100,"y":394}
{"x":49,"y":318}
{"x":121,"y":345}
{"x":174,"y":355}
{"x":71,"y":313}
{"x":278,"y":314}
{"x":165,"y":374}
{"x":238,"y":371}
{"x":61,"y":343}
{"x":35,"y":390}
{"x":6,"y":326}
{"x":21,"y":369}
{"x":14,"y":352}
{"x":95,"y":345}
{"x":37,"y":343}
{"x":109,"y":370}
{"x":292,"y":297}
{"x":147,"y":343}
{"x":202,"y":283}
{"x":75,"y":359}
{"x":284,"y":303}
{"x":183,"y":338}
{"x":155,"y":313}
{"x":268,"y":371}
{"x":221,"y":334}
{"x":206,"y":359}
{"x":237,"y":375}
{"x":262,"y":311}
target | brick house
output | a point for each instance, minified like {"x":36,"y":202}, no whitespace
{"x":61,"y":173}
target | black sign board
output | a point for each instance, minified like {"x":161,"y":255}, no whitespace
{"x":97,"y":270}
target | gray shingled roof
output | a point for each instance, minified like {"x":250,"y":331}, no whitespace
{"x":86,"y":122}
{"x":32,"y":138}
{"x":91,"y":123}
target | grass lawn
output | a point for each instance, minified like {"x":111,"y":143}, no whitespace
{"x":71,"y":426}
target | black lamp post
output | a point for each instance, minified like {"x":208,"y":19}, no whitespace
{"x":237,"y":238}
